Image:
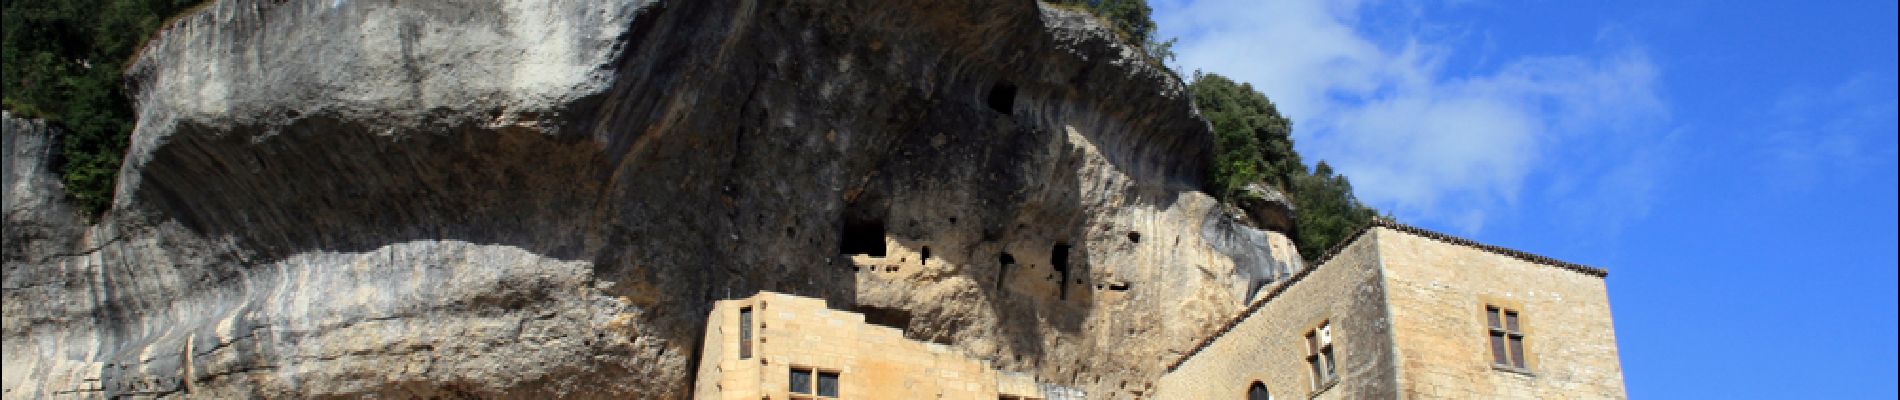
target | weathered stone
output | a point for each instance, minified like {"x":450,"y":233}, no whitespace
{"x":530,"y":198}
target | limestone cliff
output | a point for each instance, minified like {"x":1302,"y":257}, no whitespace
{"x":502,"y":198}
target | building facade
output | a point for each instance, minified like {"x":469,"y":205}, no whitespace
{"x":780,"y":346}
{"x":1403,"y":312}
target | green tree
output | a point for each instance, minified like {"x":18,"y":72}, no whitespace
{"x":63,"y":61}
{"x":1254,"y":143}
{"x":1327,"y":211}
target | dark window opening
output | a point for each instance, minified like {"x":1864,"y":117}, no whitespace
{"x":827,"y":384}
{"x":1258,"y":392}
{"x":1118,"y":286}
{"x":1319,"y":355}
{"x":1134,"y":236}
{"x":1059,"y":259}
{"x":801,"y":381}
{"x":1507,"y":337}
{"x":1003,"y":97}
{"x":862,"y":237}
{"x":925,"y":259}
{"x":745,"y":333}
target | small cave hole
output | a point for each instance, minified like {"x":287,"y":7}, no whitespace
{"x":1059,"y":259}
{"x":1002,"y":97}
{"x":1134,"y":236}
{"x":1118,"y":286}
{"x":1004,"y":260}
{"x":924,"y":256}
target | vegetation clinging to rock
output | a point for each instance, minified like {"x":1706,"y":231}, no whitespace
{"x":1254,"y":143}
{"x":63,"y":63}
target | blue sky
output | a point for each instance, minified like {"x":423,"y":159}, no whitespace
{"x":1733,"y":164}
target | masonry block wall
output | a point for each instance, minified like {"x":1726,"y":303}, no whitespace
{"x":1268,"y":344}
{"x":871,"y":362}
{"x":1438,"y":294}
{"x":1409,"y":311}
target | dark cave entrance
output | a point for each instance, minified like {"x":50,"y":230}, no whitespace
{"x":1002,"y":98}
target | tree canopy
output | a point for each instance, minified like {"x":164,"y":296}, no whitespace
{"x":1254,"y":143}
{"x":63,"y":63}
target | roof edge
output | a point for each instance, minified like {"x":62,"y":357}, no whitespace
{"x":1376,"y":222}
{"x":1504,"y":251}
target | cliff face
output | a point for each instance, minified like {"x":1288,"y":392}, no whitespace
{"x":532,"y":198}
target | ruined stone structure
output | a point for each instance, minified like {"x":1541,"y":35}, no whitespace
{"x":1403,"y":312}
{"x":780,"y":346}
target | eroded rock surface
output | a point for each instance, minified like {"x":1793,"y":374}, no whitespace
{"x":541,"y":198}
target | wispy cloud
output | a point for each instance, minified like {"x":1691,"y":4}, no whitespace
{"x":1368,"y":87}
{"x":1817,"y":133}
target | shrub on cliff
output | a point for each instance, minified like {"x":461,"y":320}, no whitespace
{"x":63,"y":62}
{"x":1254,"y":143}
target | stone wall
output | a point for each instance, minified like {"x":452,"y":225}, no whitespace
{"x":872,"y":362}
{"x":1267,"y":343}
{"x":1438,"y":293}
{"x":1410,"y":308}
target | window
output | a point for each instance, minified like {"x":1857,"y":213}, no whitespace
{"x":802,"y":383}
{"x":827,"y":384}
{"x":1506,"y":334}
{"x":1319,"y":355}
{"x":1258,"y":392}
{"x":745,"y":333}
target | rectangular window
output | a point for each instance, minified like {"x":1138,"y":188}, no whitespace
{"x":1506,"y":336}
{"x":1319,"y":355}
{"x":745,"y":333}
{"x":827,"y":384}
{"x":806,"y":382}
{"x":801,"y":381}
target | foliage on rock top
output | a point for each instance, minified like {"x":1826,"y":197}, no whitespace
{"x":64,"y":60}
{"x":1254,"y":143}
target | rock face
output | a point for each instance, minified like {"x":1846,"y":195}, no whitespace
{"x":541,"y":198}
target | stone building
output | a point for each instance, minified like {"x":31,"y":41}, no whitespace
{"x":780,"y":346}
{"x":1403,"y":312}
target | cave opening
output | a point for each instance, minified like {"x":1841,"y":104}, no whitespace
{"x":1059,"y":259}
{"x":862,"y":236}
{"x":1003,"y":261}
{"x":1002,"y":97}
{"x":924,"y":256}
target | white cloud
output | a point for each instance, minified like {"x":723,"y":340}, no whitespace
{"x":1816,"y":134}
{"x":1376,"y":101}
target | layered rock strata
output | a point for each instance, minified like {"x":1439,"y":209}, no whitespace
{"x":542,"y":198}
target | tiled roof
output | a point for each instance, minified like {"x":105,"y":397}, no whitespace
{"x":1375,"y":223}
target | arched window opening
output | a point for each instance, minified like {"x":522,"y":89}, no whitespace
{"x":1258,"y":392}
